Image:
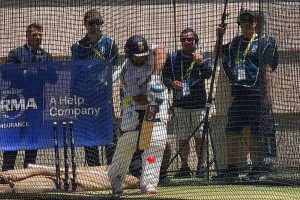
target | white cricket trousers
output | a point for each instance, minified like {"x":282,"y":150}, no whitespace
{"x":126,"y":147}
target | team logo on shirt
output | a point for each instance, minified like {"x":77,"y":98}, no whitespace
{"x":102,"y":77}
{"x":254,"y":48}
{"x":103,"y":50}
{"x":141,"y":46}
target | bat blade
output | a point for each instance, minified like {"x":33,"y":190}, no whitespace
{"x":147,"y":127}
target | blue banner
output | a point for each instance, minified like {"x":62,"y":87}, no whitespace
{"x":33,"y":96}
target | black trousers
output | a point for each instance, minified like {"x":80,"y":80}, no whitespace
{"x":92,"y":156}
{"x":9,"y":159}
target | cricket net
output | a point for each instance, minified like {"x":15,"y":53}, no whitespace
{"x":159,"y":22}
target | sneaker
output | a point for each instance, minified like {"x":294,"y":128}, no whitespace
{"x":201,"y":173}
{"x":165,"y":181}
{"x":227,"y":175}
{"x":233,"y":172}
{"x":183,"y":172}
{"x":149,"y":189}
{"x":257,"y":174}
{"x":117,"y":193}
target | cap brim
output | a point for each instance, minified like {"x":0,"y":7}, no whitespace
{"x":141,"y":54}
{"x":247,"y":14}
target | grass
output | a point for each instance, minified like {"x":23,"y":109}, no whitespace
{"x":210,"y":192}
{"x":232,"y":192}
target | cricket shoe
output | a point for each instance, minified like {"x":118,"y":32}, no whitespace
{"x":117,"y":188}
{"x":149,"y":189}
{"x":117,"y":192}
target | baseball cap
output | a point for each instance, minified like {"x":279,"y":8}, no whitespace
{"x":137,"y":46}
{"x":246,"y":16}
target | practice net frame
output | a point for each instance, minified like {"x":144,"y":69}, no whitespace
{"x":161,"y":22}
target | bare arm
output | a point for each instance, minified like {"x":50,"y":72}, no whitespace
{"x":160,"y":58}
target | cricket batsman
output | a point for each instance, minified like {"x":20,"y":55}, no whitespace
{"x":142,"y":86}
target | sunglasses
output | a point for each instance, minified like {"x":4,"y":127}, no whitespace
{"x":187,"y":39}
{"x":95,"y":22}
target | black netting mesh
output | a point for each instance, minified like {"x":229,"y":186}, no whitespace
{"x":82,"y":106}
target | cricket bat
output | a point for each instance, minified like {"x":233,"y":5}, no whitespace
{"x":147,"y":127}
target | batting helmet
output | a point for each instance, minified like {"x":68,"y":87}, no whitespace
{"x":136,"y":46}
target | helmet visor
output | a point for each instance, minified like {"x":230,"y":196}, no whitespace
{"x":141,"y":54}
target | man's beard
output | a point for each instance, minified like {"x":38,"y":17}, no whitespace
{"x":139,"y":64}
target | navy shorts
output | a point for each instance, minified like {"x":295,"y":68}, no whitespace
{"x":250,"y":112}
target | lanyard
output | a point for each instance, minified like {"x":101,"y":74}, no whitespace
{"x":188,"y":71}
{"x":126,"y":101}
{"x":238,"y":60}
{"x":98,"y":53}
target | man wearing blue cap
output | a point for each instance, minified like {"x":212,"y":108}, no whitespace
{"x":248,"y":63}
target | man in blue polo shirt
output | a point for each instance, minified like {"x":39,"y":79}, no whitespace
{"x":95,"y":45}
{"x":248,"y":63}
{"x":185,"y":73}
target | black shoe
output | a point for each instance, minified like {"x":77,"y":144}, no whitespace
{"x":233,"y":171}
{"x":166,"y":181}
{"x":257,"y":174}
{"x":183,"y":172}
{"x":201,"y":174}
{"x":117,"y":187}
{"x":228,"y":175}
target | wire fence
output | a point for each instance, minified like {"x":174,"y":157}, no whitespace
{"x":159,"y":22}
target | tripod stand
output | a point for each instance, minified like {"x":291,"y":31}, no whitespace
{"x":206,"y":124}
{"x":205,"y":139}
